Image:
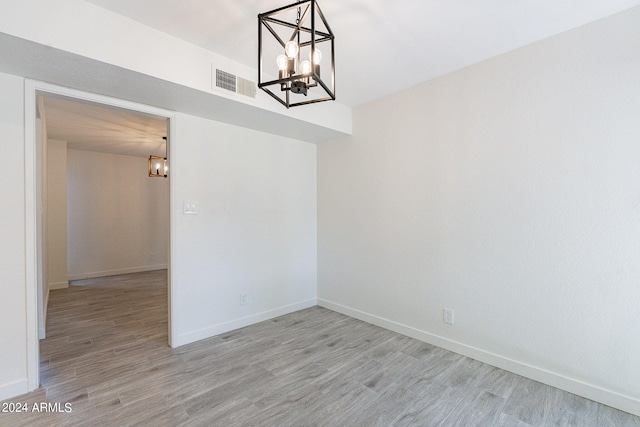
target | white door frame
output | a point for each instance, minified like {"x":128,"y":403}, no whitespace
{"x":32,"y":89}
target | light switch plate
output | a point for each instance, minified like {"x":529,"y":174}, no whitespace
{"x":190,"y":207}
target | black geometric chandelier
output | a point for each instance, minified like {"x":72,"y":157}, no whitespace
{"x":158,"y":166}
{"x":301,"y":37}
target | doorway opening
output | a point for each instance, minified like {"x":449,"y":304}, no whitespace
{"x":97,"y":212}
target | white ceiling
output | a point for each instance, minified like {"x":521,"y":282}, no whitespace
{"x":381,"y":46}
{"x":87,"y":126}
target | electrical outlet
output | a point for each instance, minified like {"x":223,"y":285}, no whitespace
{"x":243,"y":298}
{"x":152,"y":257}
{"x":447,"y":316}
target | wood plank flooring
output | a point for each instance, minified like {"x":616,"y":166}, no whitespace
{"x":106,"y":354}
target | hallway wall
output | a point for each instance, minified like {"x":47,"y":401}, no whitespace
{"x":118,"y":217}
{"x":57,"y":214}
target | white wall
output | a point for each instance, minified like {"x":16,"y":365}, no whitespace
{"x":255,"y":231}
{"x":57,"y":214}
{"x":41,"y":217}
{"x":13,"y":321}
{"x":510,"y":193}
{"x":118,"y":217}
{"x":82,"y":28}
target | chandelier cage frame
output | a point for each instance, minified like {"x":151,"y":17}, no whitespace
{"x":158,"y":165}
{"x":305,"y":34}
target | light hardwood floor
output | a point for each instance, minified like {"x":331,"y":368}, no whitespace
{"x":106,"y":354}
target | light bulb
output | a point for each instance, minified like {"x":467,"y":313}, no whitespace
{"x":305,"y":67}
{"x":291,"y":49}
{"x":315,"y":56}
{"x":281,"y":60}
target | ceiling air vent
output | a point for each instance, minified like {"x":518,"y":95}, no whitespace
{"x":235,"y":84}
{"x":246,"y":87}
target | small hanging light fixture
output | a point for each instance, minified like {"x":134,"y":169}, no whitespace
{"x":294,"y":55}
{"x":158,"y":166}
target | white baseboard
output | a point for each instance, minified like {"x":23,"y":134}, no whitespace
{"x":221,"y":328}
{"x":58,"y":285}
{"x":94,"y":274}
{"x":593,"y":392}
{"x":13,"y":389}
